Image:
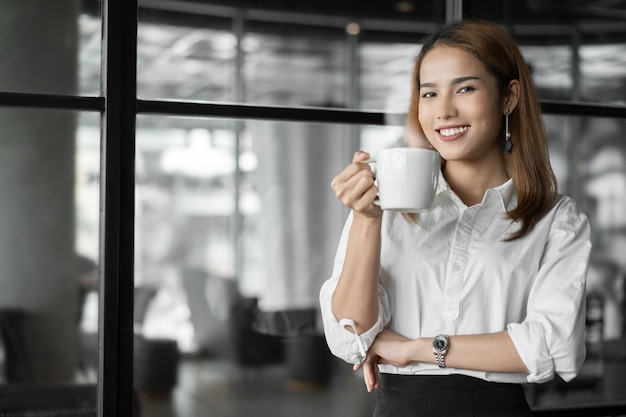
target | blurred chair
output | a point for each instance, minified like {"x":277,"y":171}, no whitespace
{"x":12,"y":326}
{"x":224,"y":319}
{"x":155,"y":365}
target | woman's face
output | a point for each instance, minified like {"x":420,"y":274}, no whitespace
{"x":460,"y":108}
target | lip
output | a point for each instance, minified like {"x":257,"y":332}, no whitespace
{"x":461,"y":130}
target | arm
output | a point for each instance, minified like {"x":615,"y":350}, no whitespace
{"x":551,"y":339}
{"x":491,"y":352}
{"x":354,"y":306}
{"x":356,"y":294}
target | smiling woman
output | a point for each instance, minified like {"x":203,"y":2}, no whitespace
{"x":484,"y":291}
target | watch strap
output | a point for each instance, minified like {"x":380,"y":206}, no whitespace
{"x":440,"y":360}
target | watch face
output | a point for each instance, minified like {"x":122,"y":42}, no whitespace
{"x":440,"y":344}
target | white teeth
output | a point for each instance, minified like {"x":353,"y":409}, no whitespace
{"x":453,"y":131}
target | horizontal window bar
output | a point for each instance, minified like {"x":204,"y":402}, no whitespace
{"x":243,"y":111}
{"x":571,"y":108}
{"x":52,"y":101}
{"x":300,"y":114}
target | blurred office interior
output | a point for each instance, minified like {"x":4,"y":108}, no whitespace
{"x":186,"y":214}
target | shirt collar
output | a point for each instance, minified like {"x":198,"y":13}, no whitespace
{"x":503,"y":195}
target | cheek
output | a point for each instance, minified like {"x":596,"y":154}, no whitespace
{"x":426,"y":122}
{"x":495,"y":124}
{"x":424,"y":117}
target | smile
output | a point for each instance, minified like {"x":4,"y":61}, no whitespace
{"x":453,"y":131}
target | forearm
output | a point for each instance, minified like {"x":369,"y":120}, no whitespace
{"x":356,"y":295}
{"x":490,"y":352}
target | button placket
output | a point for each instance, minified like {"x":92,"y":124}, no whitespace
{"x":459,"y":254}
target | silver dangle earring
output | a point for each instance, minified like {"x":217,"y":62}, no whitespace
{"x":507,"y":145}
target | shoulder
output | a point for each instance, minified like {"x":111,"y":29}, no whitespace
{"x":566,"y":222}
{"x":567,"y":213}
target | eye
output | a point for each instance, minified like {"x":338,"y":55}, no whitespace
{"x":466,"y":89}
{"x":428,"y":94}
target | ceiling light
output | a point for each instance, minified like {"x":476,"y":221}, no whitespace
{"x":353,"y":28}
{"x":405,"y":6}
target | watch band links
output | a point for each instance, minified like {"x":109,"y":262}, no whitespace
{"x":440,"y":360}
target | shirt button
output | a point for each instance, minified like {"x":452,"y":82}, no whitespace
{"x":577,"y":284}
{"x":457,"y":267}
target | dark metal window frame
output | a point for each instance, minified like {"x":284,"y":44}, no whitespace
{"x":119,"y":107}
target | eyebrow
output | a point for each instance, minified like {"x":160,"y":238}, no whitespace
{"x":455,"y":81}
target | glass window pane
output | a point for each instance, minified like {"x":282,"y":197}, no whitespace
{"x":551,"y":69}
{"x":90,"y":53}
{"x":49,"y":260}
{"x":217,"y":284}
{"x":61,"y":57}
{"x":199,"y":63}
{"x":303,"y":69}
{"x":385,"y":75}
{"x":185,"y":62}
{"x":603,"y":73}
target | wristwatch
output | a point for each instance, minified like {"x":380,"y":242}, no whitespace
{"x":441,"y":343}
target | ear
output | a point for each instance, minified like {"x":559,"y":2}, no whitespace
{"x":511,"y":95}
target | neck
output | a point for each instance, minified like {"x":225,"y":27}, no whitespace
{"x":470,"y":182}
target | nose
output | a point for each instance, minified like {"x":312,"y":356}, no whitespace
{"x":445,"y":108}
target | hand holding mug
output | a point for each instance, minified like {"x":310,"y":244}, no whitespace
{"x":355,"y":186}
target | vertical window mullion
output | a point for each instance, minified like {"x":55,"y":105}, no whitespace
{"x":119,"y":89}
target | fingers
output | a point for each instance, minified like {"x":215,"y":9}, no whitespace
{"x":360,"y":156}
{"x":370,"y":373}
{"x":357,"y":166}
{"x":355,"y":186}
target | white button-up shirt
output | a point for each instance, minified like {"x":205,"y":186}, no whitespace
{"x":454,"y":274}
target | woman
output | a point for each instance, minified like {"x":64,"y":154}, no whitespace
{"x":451,"y":311}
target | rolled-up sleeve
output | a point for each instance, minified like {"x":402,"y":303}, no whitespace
{"x":343,"y":342}
{"x":551,"y":340}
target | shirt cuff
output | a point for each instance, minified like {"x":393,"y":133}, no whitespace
{"x":529,"y":340}
{"x":346,"y":344}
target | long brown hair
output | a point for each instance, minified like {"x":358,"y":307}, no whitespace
{"x":528,"y":164}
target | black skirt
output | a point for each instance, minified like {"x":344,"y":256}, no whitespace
{"x":448,"y":395}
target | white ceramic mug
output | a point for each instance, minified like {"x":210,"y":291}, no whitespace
{"x":407,"y":178}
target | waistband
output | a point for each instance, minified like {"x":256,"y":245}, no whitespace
{"x":438,"y":383}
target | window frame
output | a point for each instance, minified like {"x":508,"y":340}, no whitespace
{"x":119,"y":106}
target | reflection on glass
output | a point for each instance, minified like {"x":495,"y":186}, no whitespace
{"x":49,"y":254}
{"x":89,"y":54}
{"x":603,"y":72}
{"x":298,"y":70}
{"x":185,"y":63}
{"x":385,"y":75}
{"x":551,"y":68}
